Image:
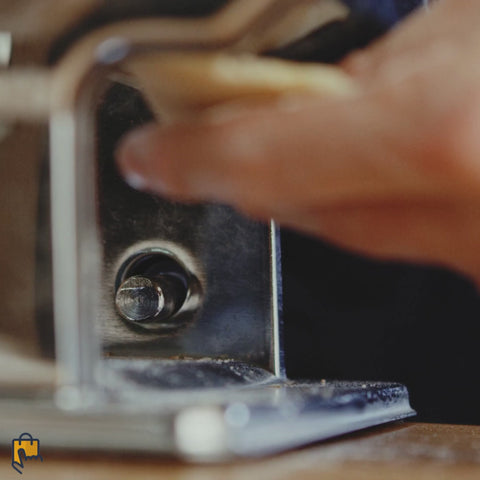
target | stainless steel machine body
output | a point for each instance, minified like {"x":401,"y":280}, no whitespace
{"x":167,"y":316}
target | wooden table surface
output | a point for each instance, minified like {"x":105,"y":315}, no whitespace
{"x":402,"y":451}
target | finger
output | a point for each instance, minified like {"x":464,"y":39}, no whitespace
{"x":432,"y":233}
{"x":326,"y":151}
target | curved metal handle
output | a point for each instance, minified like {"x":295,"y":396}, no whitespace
{"x":77,"y":82}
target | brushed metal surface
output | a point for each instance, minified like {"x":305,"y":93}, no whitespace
{"x":145,"y":391}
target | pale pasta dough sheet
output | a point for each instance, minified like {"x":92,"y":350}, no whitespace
{"x":181,"y":85}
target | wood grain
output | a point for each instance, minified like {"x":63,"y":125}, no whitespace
{"x":403,"y":451}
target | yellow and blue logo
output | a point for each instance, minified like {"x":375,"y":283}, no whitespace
{"x":28,"y":447}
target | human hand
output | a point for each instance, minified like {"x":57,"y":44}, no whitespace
{"x":393,"y":172}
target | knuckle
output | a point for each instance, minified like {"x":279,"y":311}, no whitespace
{"x":453,"y":150}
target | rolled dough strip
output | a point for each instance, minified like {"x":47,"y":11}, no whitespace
{"x":181,"y":85}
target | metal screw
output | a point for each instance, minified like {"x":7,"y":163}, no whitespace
{"x":146,"y":301}
{"x":139,"y":299}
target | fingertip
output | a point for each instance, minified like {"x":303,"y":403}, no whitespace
{"x":137,"y":155}
{"x":133,"y":150}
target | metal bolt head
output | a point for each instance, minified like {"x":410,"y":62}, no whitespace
{"x":139,"y":299}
